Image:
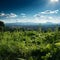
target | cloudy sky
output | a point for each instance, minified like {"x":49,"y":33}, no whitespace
{"x":36,"y":11}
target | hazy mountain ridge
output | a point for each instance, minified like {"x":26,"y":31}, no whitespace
{"x":28,"y":24}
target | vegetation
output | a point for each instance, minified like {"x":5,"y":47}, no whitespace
{"x":30,"y":45}
{"x":2,"y":25}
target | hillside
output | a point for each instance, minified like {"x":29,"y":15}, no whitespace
{"x":30,"y":45}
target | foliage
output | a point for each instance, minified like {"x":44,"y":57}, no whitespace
{"x":2,"y":25}
{"x":30,"y":45}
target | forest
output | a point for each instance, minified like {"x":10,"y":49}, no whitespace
{"x":29,"y":44}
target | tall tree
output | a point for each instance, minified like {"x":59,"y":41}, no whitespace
{"x":2,"y":25}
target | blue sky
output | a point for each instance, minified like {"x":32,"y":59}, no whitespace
{"x":36,"y":11}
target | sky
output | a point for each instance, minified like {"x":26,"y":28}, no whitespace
{"x":35,"y":11}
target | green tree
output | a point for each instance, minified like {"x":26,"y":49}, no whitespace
{"x":2,"y":25}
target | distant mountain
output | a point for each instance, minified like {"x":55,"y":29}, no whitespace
{"x":21,"y":24}
{"x":30,"y":23}
{"x":50,"y":23}
{"x":31,"y":26}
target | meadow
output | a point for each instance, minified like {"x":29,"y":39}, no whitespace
{"x":30,"y":45}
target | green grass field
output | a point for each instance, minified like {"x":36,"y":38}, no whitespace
{"x":30,"y":45}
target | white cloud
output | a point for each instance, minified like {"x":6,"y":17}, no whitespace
{"x":41,"y":17}
{"x":2,"y":14}
{"x":33,"y":20}
{"x":47,"y":16}
{"x":45,"y":13}
{"x":11,"y":15}
{"x":23,"y":15}
{"x":50,"y":12}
